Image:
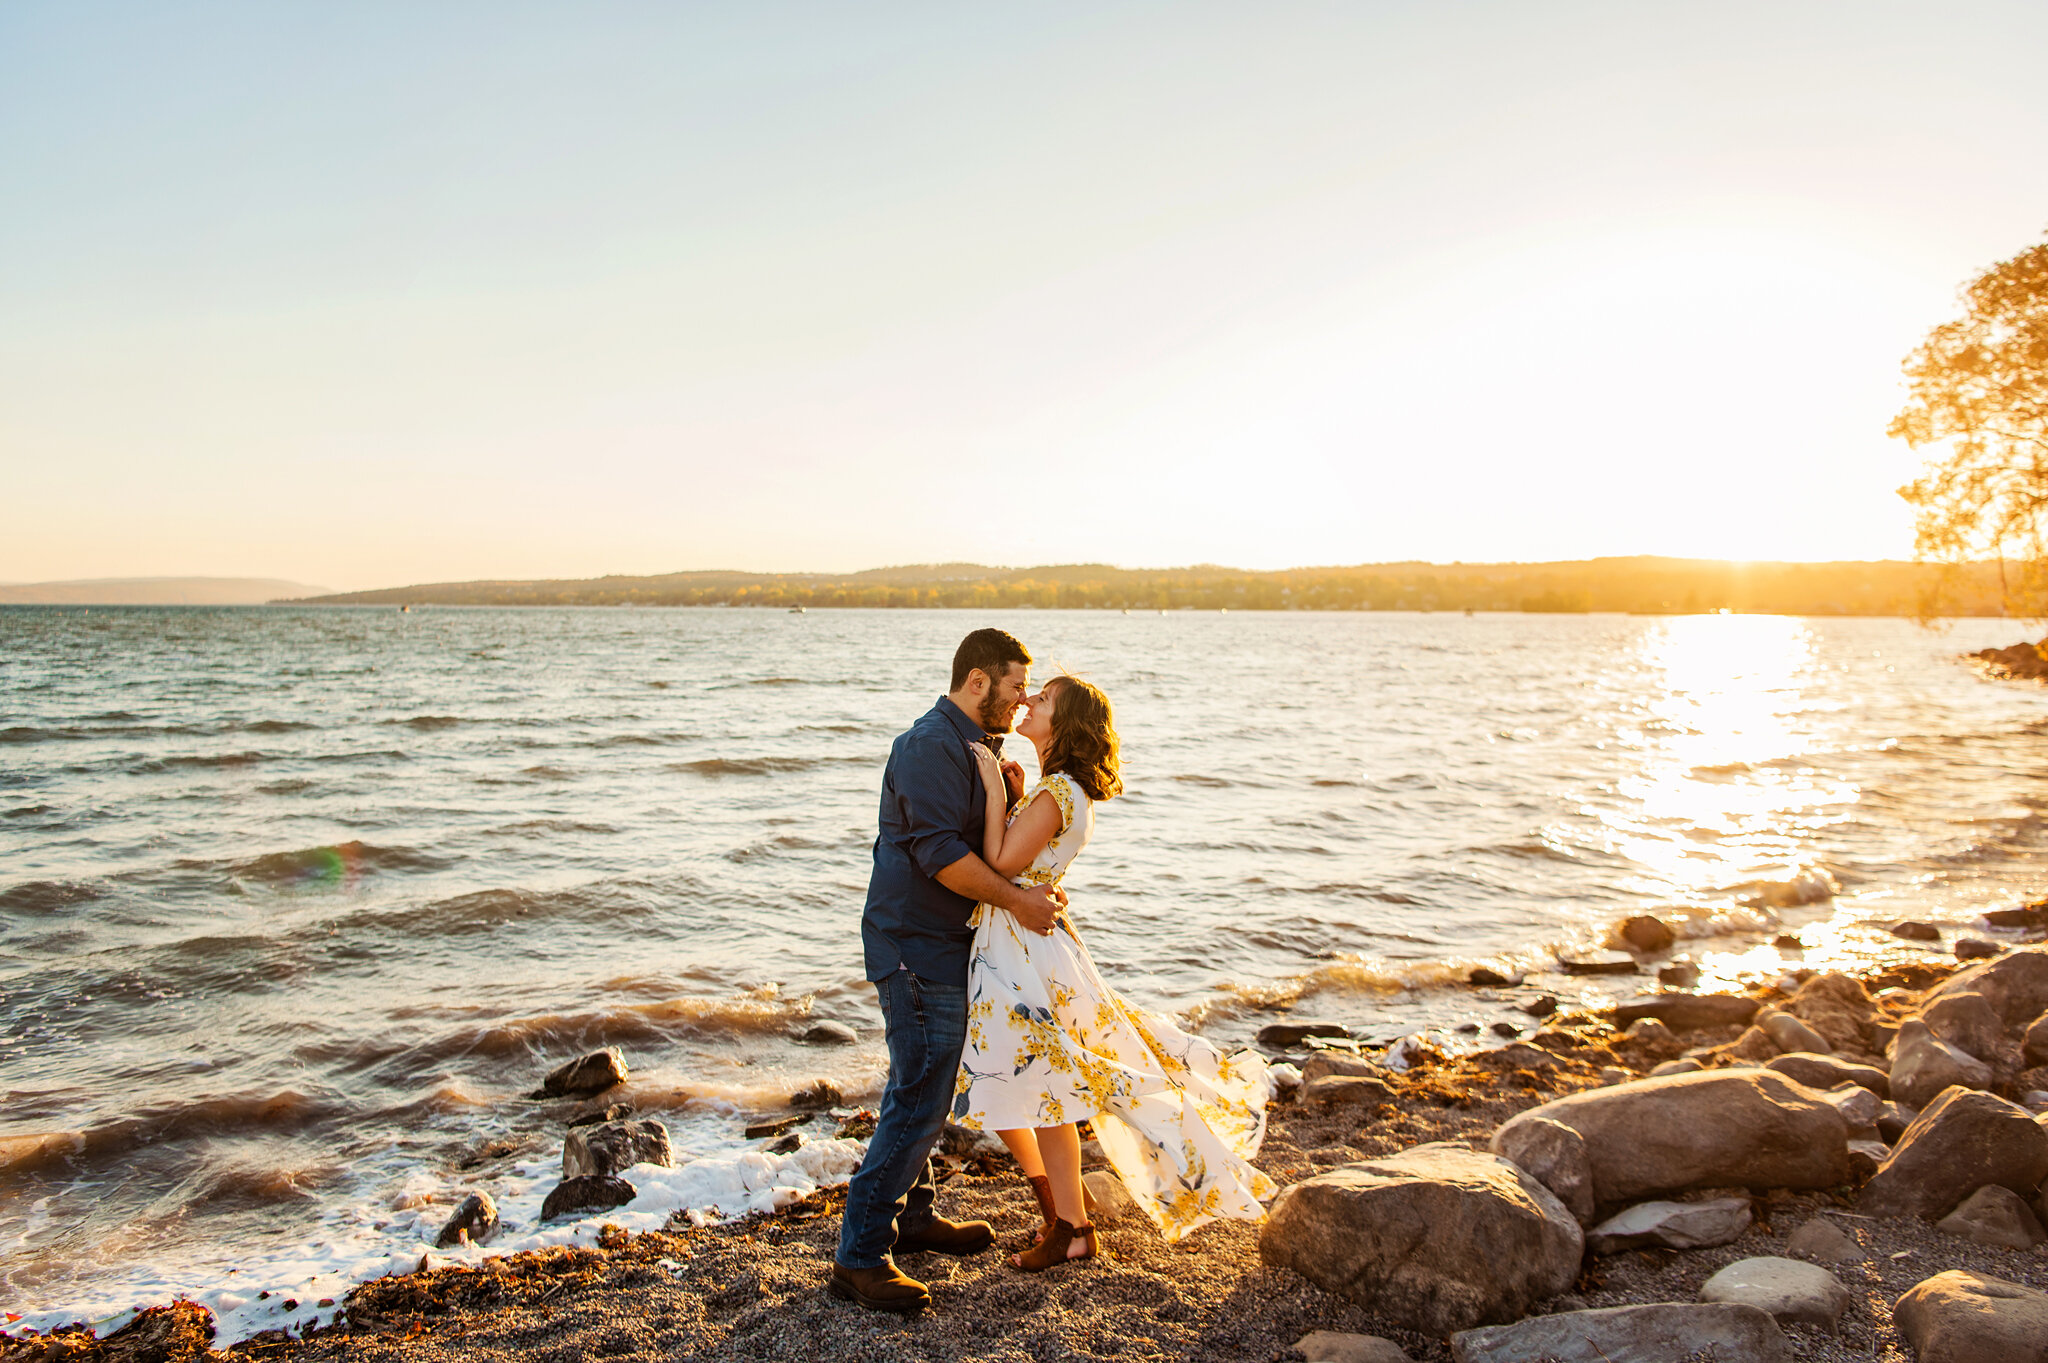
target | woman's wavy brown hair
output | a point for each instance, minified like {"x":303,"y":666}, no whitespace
{"x":1083,"y":743}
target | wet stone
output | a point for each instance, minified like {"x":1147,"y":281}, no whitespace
{"x":1976,"y":949}
{"x":1915,"y":931}
{"x":588,"y":1194}
{"x":1281,"y":1035}
{"x":586,"y":1075}
{"x":475,"y":1221}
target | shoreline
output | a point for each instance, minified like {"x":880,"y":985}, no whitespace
{"x":753,"y":1288}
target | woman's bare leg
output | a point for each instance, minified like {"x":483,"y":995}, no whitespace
{"x":1023,"y":1143}
{"x":1060,"y":1148}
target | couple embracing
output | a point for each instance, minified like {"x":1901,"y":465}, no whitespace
{"x":994,"y":1014}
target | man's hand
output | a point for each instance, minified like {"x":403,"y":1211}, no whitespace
{"x":1013,"y":780}
{"x":1037,"y":907}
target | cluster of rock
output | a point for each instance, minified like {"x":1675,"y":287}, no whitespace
{"x":1818,"y":1092}
{"x":2019,"y":662}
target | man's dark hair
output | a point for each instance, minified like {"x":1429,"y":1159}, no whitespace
{"x":991,"y":650}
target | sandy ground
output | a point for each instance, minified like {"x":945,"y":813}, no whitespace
{"x":755,"y":1290}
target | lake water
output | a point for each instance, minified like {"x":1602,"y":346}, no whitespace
{"x":296,"y":904}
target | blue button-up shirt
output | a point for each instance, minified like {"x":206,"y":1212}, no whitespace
{"x":933,"y":805}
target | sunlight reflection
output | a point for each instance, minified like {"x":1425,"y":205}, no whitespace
{"x":1724,"y":797}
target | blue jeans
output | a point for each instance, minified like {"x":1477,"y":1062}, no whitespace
{"x":926,"y":1026}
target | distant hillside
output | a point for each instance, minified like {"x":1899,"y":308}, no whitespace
{"x":154,"y":591}
{"x":1642,"y":585}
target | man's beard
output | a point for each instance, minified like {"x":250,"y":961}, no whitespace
{"x":995,"y":716}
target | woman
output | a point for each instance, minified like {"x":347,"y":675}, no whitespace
{"x":1048,"y":1043}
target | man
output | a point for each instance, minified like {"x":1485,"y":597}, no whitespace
{"x":927,"y":879}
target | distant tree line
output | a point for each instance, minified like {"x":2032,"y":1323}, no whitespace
{"x":1635,"y":585}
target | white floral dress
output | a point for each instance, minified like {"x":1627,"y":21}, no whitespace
{"x":1049,"y":1042}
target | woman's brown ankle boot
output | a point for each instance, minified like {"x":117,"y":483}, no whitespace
{"x":1042,"y":1186}
{"x":1055,"y":1249}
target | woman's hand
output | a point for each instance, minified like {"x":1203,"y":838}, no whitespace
{"x":991,"y":769}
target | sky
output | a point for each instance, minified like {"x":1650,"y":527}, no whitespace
{"x":370,"y":294}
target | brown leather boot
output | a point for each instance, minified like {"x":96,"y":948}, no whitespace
{"x":1056,"y":1248}
{"x":886,"y":1288}
{"x":1041,"y":1186}
{"x":941,"y":1236}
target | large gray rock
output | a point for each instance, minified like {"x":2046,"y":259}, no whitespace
{"x":585,"y":1075}
{"x":1672,"y":1225}
{"x":1791,"y":1034}
{"x":614,"y":1147}
{"x":1658,"y":1333}
{"x":1994,"y":1215}
{"x":1686,"y":1012}
{"x":1963,"y":1141}
{"x":1826,"y":1072}
{"x":1859,"y":1107}
{"x":2016,"y":985}
{"x":1555,"y":1156}
{"x":1923,"y":1065}
{"x":1839,"y":1008}
{"x":1794,"y":1293}
{"x":1959,"y":1317}
{"x":1436,"y":1238}
{"x":1332,"y":1346}
{"x":1719,"y":1129}
{"x":1966,"y":1019}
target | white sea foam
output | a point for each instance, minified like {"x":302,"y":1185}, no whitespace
{"x":283,"y":1288}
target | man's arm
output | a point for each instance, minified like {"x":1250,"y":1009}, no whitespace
{"x":1034,"y":906}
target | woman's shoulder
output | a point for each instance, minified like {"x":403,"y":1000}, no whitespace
{"x":1065,"y":790}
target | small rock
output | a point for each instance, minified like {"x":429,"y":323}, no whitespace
{"x":1753,"y":1046}
{"x":1963,"y":1141}
{"x":2033,"y":915}
{"x":966,"y":1142}
{"x":2034,"y":1042}
{"x":789,"y":1144}
{"x":1959,"y":1317}
{"x":1111,"y":1200}
{"x":1686,"y":1012}
{"x":1281,"y":1035}
{"x":595,"y":1151}
{"x":1610,"y":1075}
{"x":1346,"y":1088}
{"x":585,"y":1075}
{"x":826,"y":1032}
{"x":1657,"y":1333}
{"x":1865,"y":1159}
{"x":1893,"y":1121}
{"x":1542,"y":1007}
{"x":1486,"y":977}
{"x":1286,"y":1080}
{"x":1599,"y":963}
{"x":1683,"y":1065}
{"x":1648,"y":934}
{"x":1826,"y":1072}
{"x":1822,"y":1241}
{"x":1997,"y":1216}
{"x":1436,"y":1238}
{"x":1468,"y":1028}
{"x":2035,"y":1100}
{"x":617,"y":1112}
{"x":1967,"y":1020}
{"x":763,"y":1130}
{"x":1914,"y":931}
{"x":1794,"y":1293}
{"x":1324,"y":1063}
{"x":1976,"y":949}
{"x":1859,"y":1107}
{"x":592,"y":1194}
{"x":1555,"y":1156}
{"x":1329,"y":1346}
{"x":1679,"y":974}
{"x":1785,"y":941}
{"x":1788,"y":1033}
{"x":1650,"y":1032}
{"x":475,"y":1221}
{"x":1672,"y":1225}
{"x":817,"y":1095}
{"x":1507,"y":1030}
{"x":1924,"y":1065}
